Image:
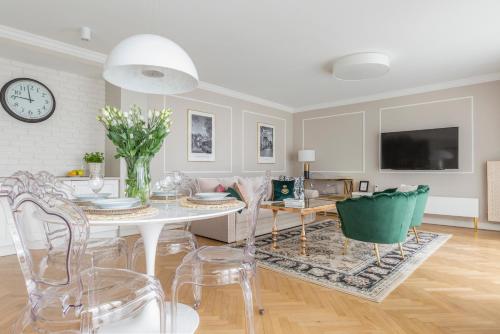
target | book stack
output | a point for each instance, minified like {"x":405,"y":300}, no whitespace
{"x":294,"y":203}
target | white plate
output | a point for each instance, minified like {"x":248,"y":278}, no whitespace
{"x":88,"y":197}
{"x":211,"y":196}
{"x":117,"y":203}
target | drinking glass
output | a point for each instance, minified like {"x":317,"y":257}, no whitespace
{"x":96,"y":182}
{"x":96,"y":177}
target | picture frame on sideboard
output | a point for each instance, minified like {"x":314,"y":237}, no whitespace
{"x":363,"y":186}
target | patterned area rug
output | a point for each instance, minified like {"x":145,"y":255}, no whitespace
{"x":355,"y":273}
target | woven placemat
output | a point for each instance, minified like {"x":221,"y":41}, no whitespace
{"x":142,"y":212}
{"x":108,"y":212}
{"x":185,"y":202}
{"x":212,"y":202}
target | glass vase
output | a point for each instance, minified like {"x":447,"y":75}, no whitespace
{"x":139,"y":179}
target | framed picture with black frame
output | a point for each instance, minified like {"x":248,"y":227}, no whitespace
{"x":363,"y":186}
{"x":201,"y":136}
{"x":265,"y":143}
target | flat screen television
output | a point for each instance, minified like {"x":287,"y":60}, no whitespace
{"x":430,"y":149}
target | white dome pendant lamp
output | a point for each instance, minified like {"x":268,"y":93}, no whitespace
{"x":149,"y":63}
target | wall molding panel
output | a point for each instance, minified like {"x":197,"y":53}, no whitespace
{"x":471,"y":119}
{"x":243,"y":168}
{"x":362,"y":148}
{"x":230,"y":109}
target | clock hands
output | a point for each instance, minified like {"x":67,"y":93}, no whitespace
{"x":20,"y":97}
{"x":29,"y":95}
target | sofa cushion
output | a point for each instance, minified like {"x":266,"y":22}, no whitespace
{"x":220,"y":189}
{"x":249,"y":186}
{"x":282,"y":189}
{"x":208,"y":184}
{"x":234,"y":193}
{"x":404,"y":188}
{"x":298,"y":186}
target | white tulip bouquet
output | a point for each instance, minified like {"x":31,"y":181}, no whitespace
{"x":137,"y":137}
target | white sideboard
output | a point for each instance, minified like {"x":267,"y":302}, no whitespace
{"x":80,"y":186}
{"x":454,"y":206}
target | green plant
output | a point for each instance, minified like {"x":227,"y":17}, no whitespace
{"x":137,"y":137}
{"x":93,"y":157}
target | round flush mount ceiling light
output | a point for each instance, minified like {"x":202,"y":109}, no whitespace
{"x":361,"y":66}
{"x":150,"y":64}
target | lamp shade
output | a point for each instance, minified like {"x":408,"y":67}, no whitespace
{"x":150,"y":64}
{"x":307,"y":155}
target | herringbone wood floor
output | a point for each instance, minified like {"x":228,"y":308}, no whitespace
{"x":457,"y":290}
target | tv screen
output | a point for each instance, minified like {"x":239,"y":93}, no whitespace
{"x":431,"y":149}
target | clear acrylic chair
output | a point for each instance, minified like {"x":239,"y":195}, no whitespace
{"x":63,"y":297}
{"x":173,"y":239}
{"x":106,"y":252}
{"x":224,"y":265}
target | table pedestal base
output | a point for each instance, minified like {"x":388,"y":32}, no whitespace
{"x":188,"y":319}
{"x":150,"y":234}
{"x":148,"y":322}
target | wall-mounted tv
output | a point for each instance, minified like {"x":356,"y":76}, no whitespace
{"x":430,"y":149}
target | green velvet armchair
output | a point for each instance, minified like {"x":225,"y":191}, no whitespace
{"x":421,"y":202}
{"x":380,"y":219}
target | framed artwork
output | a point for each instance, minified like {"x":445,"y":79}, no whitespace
{"x":201,"y":136}
{"x":265,"y":144}
{"x":363,"y":186}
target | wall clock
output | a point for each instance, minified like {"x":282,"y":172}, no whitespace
{"x":27,"y":100}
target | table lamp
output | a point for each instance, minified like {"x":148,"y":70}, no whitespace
{"x":307,"y":156}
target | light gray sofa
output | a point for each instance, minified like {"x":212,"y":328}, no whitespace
{"x":234,"y":227}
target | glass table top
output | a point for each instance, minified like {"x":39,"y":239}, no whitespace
{"x":309,"y":203}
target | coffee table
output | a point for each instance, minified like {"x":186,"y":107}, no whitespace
{"x":311,"y":206}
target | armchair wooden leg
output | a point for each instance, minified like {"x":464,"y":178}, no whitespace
{"x":346,"y":244}
{"x":377,"y":253}
{"x":416,"y":234}
{"x":401,"y":250}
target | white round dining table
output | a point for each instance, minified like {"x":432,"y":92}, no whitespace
{"x":150,"y":228}
{"x":168,"y":214}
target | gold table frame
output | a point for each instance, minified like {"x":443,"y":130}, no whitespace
{"x":280,"y":206}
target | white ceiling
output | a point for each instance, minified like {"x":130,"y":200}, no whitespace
{"x":282,"y":50}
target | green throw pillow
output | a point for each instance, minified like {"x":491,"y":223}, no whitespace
{"x":233,"y":193}
{"x":282,"y":190}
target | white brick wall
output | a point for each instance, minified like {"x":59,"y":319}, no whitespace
{"x":57,"y":144}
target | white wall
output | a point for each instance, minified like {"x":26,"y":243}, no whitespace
{"x":57,"y":144}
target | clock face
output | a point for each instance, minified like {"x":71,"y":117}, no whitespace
{"x":27,"y":100}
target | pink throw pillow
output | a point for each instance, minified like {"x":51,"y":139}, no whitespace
{"x":220,"y":189}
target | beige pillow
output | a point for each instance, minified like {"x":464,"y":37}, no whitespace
{"x":249,"y":185}
{"x":404,"y":188}
{"x":241,"y":191}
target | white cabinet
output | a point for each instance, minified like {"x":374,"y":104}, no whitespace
{"x":81,"y":186}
